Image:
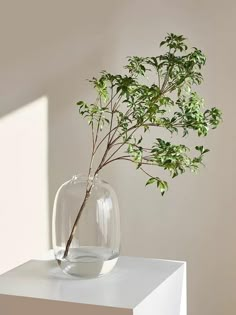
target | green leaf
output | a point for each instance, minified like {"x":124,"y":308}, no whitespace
{"x":151,"y":181}
{"x":199,"y":148}
{"x":140,"y":140}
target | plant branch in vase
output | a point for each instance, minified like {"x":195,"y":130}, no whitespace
{"x":128,"y":106}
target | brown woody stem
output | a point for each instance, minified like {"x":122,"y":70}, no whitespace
{"x":70,"y":239}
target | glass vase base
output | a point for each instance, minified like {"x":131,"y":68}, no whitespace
{"x":87,"y":262}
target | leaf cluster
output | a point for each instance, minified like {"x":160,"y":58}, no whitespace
{"x":131,"y":103}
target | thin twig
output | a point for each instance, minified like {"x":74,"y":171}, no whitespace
{"x":146,"y":172}
{"x":111,"y":121}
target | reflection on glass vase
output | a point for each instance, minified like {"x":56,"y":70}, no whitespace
{"x":86,"y":227}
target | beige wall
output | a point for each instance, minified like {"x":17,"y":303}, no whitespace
{"x":50,"y":47}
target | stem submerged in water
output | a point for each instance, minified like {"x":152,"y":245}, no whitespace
{"x":70,"y":239}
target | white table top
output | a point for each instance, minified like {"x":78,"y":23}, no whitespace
{"x":132,"y":280}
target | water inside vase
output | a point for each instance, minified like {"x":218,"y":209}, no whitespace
{"x":87,"y":261}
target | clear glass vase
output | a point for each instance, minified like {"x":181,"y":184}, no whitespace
{"x":86,"y":227}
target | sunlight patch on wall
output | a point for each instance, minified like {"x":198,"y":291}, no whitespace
{"x":23,"y":184}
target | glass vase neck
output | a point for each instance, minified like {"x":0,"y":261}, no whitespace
{"x":83,"y":177}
